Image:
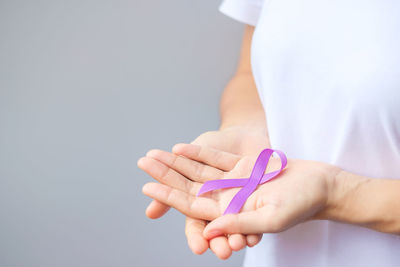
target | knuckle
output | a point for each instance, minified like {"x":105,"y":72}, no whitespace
{"x":199,"y":171}
{"x":164,"y":174}
{"x":173,"y":162}
{"x":170,"y":196}
{"x":188,"y":186}
{"x":192,"y":188}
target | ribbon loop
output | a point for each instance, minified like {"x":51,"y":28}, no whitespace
{"x":248,"y":185}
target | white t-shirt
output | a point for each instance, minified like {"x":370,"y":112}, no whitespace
{"x":328,"y":75}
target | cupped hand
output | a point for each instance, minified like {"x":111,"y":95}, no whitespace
{"x":300,"y":192}
{"x":239,"y":140}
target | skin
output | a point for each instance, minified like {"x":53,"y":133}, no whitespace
{"x":305,"y":190}
{"x":243,"y":131}
{"x":299,"y":193}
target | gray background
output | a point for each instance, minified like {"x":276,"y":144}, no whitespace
{"x":86,"y":88}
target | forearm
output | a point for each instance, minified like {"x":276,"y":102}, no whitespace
{"x":241,"y":105}
{"x":369,"y":202}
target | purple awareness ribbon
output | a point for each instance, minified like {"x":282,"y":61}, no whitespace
{"x":248,"y":185}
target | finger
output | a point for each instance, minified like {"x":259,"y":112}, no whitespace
{"x":251,"y":222}
{"x":237,"y":242}
{"x":168,"y":176}
{"x":194,"y":234}
{"x":156,"y":209}
{"x":196,"y":207}
{"x":253,"y":239}
{"x":220,"y":246}
{"x":191,"y":169}
{"x":219,"y":159}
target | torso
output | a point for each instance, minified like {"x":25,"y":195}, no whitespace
{"x":328,"y":74}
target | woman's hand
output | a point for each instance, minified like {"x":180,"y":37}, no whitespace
{"x":238,"y":140}
{"x":300,"y":192}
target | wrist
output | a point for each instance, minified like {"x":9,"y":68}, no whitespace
{"x":342,"y":191}
{"x":363,"y":201}
{"x":333,"y":178}
{"x":334,"y":196}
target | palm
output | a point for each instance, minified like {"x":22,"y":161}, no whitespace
{"x":241,"y":169}
{"x":297,"y":195}
{"x":290,"y":192}
{"x":172,"y":171}
{"x":235,"y":141}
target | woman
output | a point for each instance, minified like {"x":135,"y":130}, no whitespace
{"x":327,"y":81}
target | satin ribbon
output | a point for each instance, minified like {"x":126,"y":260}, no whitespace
{"x":248,"y":185}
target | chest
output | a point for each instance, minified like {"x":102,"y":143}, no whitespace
{"x":329,"y":52}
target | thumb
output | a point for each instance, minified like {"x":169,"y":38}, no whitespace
{"x":251,"y":222}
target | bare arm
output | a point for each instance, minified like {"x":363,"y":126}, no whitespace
{"x":240,"y":103}
{"x":368,"y":202}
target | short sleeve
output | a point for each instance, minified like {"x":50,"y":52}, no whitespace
{"x":246,"y":11}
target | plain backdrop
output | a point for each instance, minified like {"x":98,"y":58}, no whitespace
{"x":86,"y":88}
